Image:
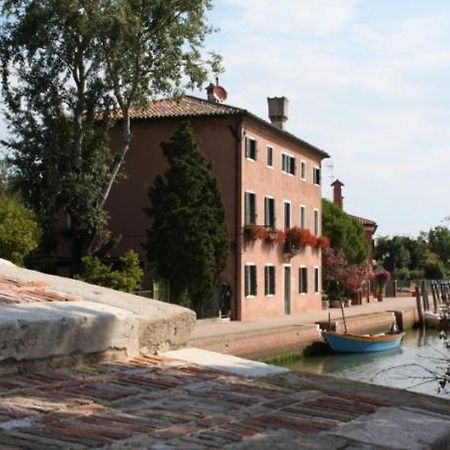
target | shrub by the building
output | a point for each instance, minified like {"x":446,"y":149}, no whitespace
{"x":127,"y":276}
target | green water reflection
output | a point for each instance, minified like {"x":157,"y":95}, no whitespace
{"x":421,"y":357}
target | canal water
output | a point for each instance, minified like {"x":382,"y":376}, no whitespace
{"x":414,"y":366}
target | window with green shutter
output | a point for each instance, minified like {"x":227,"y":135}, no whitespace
{"x":303,"y":170}
{"x":287,"y":215}
{"x":316,"y":175}
{"x":316,"y":222}
{"x":250,"y":280}
{"x":302,"y":216}
{"x":269,"y":280}
{"x":269,"y":212}
{"x":269,"y":155}
{"x":250,"y":148}
{"x":250,"y":208}
{"x":288,"y":163}
{"x":303,"y":280}
{"x":316,"y":280}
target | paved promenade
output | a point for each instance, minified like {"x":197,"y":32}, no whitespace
{"x":255,"y":338}
{"x":166,"y":403}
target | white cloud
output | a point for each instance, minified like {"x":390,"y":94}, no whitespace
{"x":372,"y":94}
{"x":285,"y":16}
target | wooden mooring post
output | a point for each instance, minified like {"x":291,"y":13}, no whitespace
{"x":424,"y":292}
{"x":419,"y":305}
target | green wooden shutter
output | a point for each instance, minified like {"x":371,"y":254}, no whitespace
{"x":266,"y":280}
{"x":247,"y":280}
{"x":254,"y":281}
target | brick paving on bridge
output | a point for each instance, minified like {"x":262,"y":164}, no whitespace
{"x":13,"y":292}
{"x":154,"y":402}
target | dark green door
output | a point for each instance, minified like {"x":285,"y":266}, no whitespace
{"x":287,"y":290}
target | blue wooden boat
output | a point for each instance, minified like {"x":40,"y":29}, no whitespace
{"x":353,"y":343}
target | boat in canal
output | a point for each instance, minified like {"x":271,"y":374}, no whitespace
{"x":364,"y":343}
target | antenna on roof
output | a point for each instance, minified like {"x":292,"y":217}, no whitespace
{"x":216,"y":93}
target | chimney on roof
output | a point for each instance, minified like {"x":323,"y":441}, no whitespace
{"x":278,"y":111}
{"x":338,"y":199}
{"x":216,"y":93}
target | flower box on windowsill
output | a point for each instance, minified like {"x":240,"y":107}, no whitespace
{"x":272,"y":235}
{"x":253,"y":232}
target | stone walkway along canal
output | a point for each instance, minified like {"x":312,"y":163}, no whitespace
{"x":186,"y":399}
{"x":161,"y":402}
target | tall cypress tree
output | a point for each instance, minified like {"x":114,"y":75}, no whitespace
{"x":188,"y":239}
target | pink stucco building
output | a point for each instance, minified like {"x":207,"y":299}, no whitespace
{"x":267,"y":176}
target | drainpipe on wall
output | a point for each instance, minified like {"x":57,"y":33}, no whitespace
{"x":236,"y":131}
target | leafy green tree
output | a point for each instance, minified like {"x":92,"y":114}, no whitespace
{"x":127,"y":277}
{"x":187,"y":241}
{"x":59,"y":150}
{"x":65,"y":66}
{"x":345,"y":233}
{"x":393,"y":252}
{"x":434,"y":270}
{"x":410,"y":258}
{"x":418,"y":250}
{"x":149,"y":48}
{"x":439,"y":243}
{"x":19,"y":229}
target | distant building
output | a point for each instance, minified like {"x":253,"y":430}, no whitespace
{"x":369,"y":225}
{"x":267,"y":176}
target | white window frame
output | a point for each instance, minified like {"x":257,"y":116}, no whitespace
{"x":284,"y":214}
{"x":292,"y":284}
{"x":250,"y":264}
{"x":273,"y":156}
{"x":256,"y":208}
{"x":274,"y":211}
{"x":303,"y":170}
{"x":251,"y":138}
{"x":303,"y":223}
{"x":292,"y":160}
{"x":316,"y":270}
{"x":274,"y":280}
{"x":314,"y":176}
{"x":316,"y":222}
{"x":299,"y":281}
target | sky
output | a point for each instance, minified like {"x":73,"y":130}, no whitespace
{"x":368,"y":81}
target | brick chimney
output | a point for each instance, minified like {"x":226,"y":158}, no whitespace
{"x":278,"y":111}
{"x":216,"y":93}
{"x":338,"y":199}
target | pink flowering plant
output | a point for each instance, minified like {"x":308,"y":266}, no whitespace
{"x":341,"y":278}
{"x":380,"y":278}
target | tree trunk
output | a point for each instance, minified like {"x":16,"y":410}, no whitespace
{"x":118,"y":161}
{"x":120,"y":157}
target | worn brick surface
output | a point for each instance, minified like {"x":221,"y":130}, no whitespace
{"x":151,"y":402}
{"x":13,"y":291}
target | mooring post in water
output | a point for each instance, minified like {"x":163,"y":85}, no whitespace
{"x":343,"y":317}
{"x":419,"y":305}
{"x":435,"y":294}
{"x":399,"y":319}
{"x":425,"y":302}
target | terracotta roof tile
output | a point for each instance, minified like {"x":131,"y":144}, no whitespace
{"x":185,"y":106}
{"x":189,"y":106}
{"x":364,"y":221}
